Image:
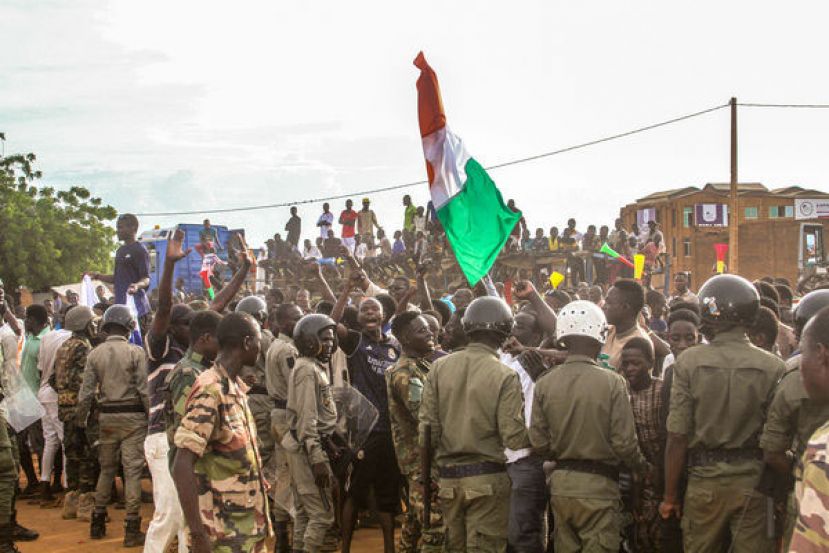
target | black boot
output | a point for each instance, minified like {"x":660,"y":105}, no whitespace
{"x":31,"y":490}
{"x":282,"y":544}
{"x":21,"y":533}
{"x":133,"y":536}
{"x":98,"y":526}
{"x":6,"y":541}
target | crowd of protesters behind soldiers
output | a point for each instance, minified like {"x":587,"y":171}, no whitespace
{"x":390,"y":300}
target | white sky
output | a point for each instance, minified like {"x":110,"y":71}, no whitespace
{"x":167,"y":106}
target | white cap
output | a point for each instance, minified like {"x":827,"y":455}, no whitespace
{"x":582,"y":318}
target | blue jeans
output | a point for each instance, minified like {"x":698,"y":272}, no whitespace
{"x":528,"y":505}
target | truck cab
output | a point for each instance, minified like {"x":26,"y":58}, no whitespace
{"x":812,"y":264}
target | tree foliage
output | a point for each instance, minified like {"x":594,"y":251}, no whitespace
{"x":49,"y":237}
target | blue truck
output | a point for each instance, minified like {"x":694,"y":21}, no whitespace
{"x":155,"y":241}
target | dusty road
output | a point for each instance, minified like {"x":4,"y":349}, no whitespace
{"x":71,"y":536}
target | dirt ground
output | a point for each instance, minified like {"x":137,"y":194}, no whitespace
{"x":71,"y":536}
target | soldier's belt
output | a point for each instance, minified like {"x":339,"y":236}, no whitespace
{"x":704,"y":457}
{"x":474,"y":469}
{"x":589,"y":467}
{"x":112,"y":409}
{"x":258,"y":389}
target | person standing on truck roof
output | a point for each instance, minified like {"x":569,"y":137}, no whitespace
{"x":209,"y":234}
{"x":132,"y":268}
{"x":294,"y":228}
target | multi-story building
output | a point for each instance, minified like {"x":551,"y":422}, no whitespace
{"x":780,"y":230}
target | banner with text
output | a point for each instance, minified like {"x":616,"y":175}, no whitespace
{"x":811,"y":209}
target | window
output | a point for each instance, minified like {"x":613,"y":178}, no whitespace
{"x":751,"y":213}
{"x":788,"y":211}
{"x":773,"y":212}
{"x":779,"y":211}
{"x":686,"y":246}
{"x":687,"y":216}
{"x":673,"y":246}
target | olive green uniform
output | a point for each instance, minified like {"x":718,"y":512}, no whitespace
{"x":791,"y":421}
{"x":582,"y":419}
{"x":8,"y":463}
{"x":259,"y":402}
{"x":279,"y":362}
{"x":475,"y":408}
{"x":311,"y":415}
{"x":118,"y":370}
{"x":719,"y":398}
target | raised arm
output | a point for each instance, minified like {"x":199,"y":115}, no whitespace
{"x":161,"y":321}
{"x":546,"y":317}
{"x":325,"y":289}
{"x":423,"y":288}
{"x":227,"y":293}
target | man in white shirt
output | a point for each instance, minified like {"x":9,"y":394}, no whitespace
{"x":48,"y":397}
{"x":528,"y":500}
{"x":326,"y":219}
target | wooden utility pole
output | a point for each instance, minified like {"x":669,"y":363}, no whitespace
{"x":733,"y":204}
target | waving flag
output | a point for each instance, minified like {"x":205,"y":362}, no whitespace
{"x":468,"y":204}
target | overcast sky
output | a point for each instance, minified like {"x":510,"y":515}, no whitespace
{"x":165,"y":106}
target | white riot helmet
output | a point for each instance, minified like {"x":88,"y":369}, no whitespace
{"x":582,"y":318}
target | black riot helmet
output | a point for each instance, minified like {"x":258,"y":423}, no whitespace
{"x":807,"y":307}
{"x":255,"y":306}
{"x":307,"y":334}
{"x":118,"y":315}
{"x":488,"y":313}
{"x":728,"y":300}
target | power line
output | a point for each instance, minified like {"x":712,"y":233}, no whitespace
{"x":419,"y":182}
{"x":796,"y":106}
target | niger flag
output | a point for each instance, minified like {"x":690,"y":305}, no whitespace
{"x":468,"y":204}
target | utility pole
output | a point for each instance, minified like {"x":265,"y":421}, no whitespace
{"x":733,"y":205}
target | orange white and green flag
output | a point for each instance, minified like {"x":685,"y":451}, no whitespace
{"x":467,"y":202}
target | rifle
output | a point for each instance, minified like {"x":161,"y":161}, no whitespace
{"x":426,"y":471}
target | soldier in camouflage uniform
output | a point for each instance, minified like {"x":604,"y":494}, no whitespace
{"x":217,"y":469}
{"x":793,"y":416}
{"x":81,"y":461}
{"x":179,"y":381}
{"x":811,"y":533}
{"x":279,"y":363}
{"x":404,"y":381}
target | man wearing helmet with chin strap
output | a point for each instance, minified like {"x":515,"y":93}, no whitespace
{"x":311,"y":416}
{"x":118,"y":370}
{"x":582,"y":419}
{"x":719,"y":398}
{"x":260,"y":403}
{"x":474,"y":408}
{"x":793,"y":416}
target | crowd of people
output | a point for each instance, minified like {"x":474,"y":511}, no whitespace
{"x":366,"y":385}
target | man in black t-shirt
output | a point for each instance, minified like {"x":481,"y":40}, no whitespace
{"x":370,"y":353}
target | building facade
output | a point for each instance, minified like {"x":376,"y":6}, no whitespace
{"x":774,"y":239}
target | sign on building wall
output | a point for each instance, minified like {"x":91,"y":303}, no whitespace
{"x":811,"y":209}
{"x":711,"y":215}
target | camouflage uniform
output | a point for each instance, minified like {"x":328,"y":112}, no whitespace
{"x":791,"y":420}
{"x":177,"y":385}
{"x":217,"y":427}
{"x":81,"y":461}
{"x":279,"y":361}
{"x":404,"y":381}
{"x":311,"y":414}
{"x":118,"y":370}
{"x":811,"y":533}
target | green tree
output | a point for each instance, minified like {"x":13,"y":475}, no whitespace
{"x":49,"y":237}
